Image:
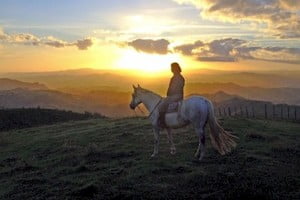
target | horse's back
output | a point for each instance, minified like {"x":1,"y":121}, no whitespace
{"x":195,"y":99}
{"x":192,"y":109}
{"x":195,"y":106}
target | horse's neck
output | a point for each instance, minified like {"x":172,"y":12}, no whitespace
{"x":151,"y":100}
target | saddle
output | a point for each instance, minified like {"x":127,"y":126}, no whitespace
{"x":173,"y":107}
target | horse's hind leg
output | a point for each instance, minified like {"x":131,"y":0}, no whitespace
{"x":200,"y":130}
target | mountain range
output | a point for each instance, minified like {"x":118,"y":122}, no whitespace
{"x":110,"y":94}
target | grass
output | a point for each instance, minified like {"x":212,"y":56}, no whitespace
{"x":110,"y":159}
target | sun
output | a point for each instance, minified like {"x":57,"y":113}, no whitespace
{"x":146,"y":64}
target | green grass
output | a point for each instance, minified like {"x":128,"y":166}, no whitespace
{"x":106,"y":158}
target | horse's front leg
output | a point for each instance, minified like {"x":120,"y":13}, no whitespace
{"x":156,"y":142}
{"x":170,"y":138}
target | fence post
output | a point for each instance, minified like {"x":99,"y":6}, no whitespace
{"x":266,"y":113}
{"x":281,"y":112}
{"x":235,"y":113}
{"x":229,"y":112}
{"x":241,"y":111}
{"x":253,"y":115}
{"x":224,"y":111}
{"x":247,"y":113}
{"x":288,"y":112}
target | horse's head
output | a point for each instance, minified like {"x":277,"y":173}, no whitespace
{"x":135,"y":101}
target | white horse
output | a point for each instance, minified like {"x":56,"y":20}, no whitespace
{"x":195,"y":110}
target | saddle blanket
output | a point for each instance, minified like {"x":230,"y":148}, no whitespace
{"x":173,"y":107}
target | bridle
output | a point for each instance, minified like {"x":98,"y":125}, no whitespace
{"x":151,"y":111}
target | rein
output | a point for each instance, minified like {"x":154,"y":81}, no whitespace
{"x":141,"y":110}
{"x":155,"y":107}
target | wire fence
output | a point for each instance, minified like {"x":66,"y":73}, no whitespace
{"x":263,"y":111}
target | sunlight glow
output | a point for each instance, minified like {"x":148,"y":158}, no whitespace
{"x":146,"y":64}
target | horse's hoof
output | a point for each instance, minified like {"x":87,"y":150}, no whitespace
{"x":152,"y":155}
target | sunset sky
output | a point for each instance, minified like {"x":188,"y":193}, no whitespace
{"x":144,"y":36}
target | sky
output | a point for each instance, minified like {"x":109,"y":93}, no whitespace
{"x":144,"y":37}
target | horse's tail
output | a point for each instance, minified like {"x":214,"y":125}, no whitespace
{"x":222,"y":140}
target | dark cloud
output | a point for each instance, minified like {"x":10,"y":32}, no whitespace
{"x":2,"y":36}
{"x":84,"y":44}
{"x":231,"y":50}
{"x":281,"y":16}
{"x":223,"y":47}
{"x":56,"y":44}
{"x":216,"y":59}
{"x":150,"y":46}
{"x":290,"y":4}
{"x":187,"y":49}
{"x":215,"y":51}
{"x":272,"y":54}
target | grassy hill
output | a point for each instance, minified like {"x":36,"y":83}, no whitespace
{"x":107,"y":158}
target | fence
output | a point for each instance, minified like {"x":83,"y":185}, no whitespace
{"x":263,"y":111}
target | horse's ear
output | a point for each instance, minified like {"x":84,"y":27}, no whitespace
{"x":133,"y":86}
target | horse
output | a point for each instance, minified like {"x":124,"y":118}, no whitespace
{"x":195,"y":110}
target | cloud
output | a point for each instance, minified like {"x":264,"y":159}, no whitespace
{"x":281,"y":16}
{"x":187,"y":49}
{"x":216,"y":50}
{"x":232,"y":50}
{"x":290,"y":4}
{"x":54,"y":42}
{"x":273,"y":54}
{"x":84,"y":44}
{"x":29,"y":39}
{"x":150,"y":46}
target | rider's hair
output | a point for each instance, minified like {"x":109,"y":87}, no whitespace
{"x":175,"y":67}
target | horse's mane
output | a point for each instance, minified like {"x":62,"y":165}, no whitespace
{"x":148,"y":91}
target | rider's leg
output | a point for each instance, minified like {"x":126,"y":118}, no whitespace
{"x":162,"y":109}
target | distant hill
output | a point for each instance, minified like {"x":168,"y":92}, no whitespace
{"x":275,"y":95}
{"x":9,"y":84}
{"x":274,"y":86}
{"x":218,"y":97}
{"x":30,"y":117}
{"x":18,"y":98}
{"x":119,"y":80}
{"x":106,"y":103}
{"x":265,"y":79}
{"x":110,"y":101}
{"x":77,"y":80}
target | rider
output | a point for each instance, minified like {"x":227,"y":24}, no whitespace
{"x":174,"y":94}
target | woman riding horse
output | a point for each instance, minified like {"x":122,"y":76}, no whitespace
{"x":174,"y":94}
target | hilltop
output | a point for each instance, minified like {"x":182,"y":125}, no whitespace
{"x":109,"y":158}
{"x":9,"y":84}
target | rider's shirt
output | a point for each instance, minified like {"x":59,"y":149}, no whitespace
{"x":176,"y":86}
